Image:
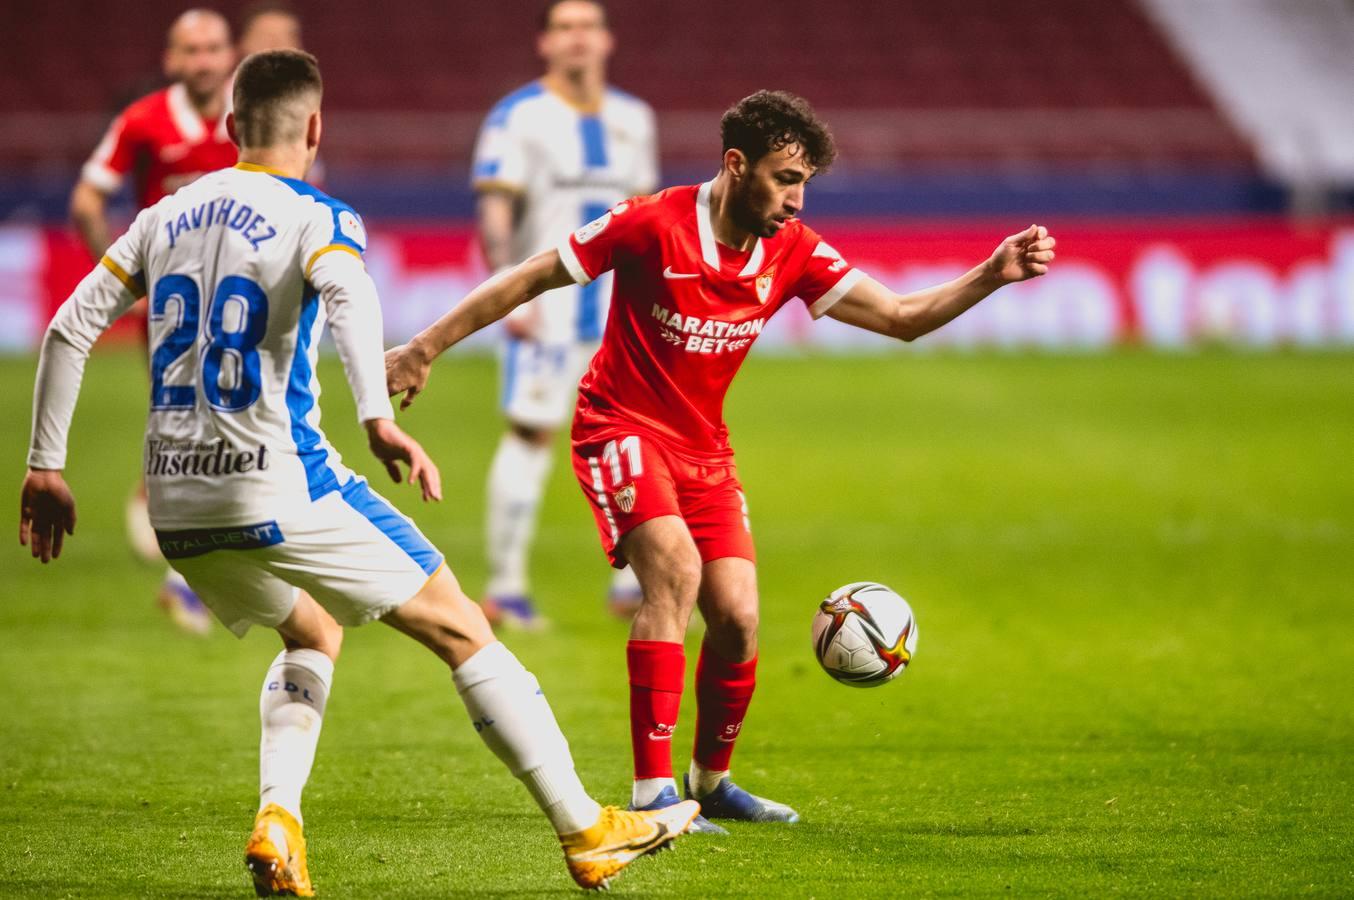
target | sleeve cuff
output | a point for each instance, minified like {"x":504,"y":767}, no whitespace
{"x":570,"y":260}
{"x":835,"y":293}
{"x":376,"y":408}
{"x":102,"y":177}
{"x":46,"y":459}
{"x":496,"y":185}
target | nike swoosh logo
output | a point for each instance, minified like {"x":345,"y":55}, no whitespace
{"x":654,"y":736}
{"x":668,"y":273}
{"x":656,"y":837}
{"x":644,"y":843}
{"x":725,"y":740}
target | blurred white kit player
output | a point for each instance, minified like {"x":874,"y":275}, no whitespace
{"x":551,"y":157}
{"x":250,"y":501}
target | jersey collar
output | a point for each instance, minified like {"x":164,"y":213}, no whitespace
{"x":593,"y":109}
{"x":189,"y":124}
{"x":706,"y":229}
{"x":255,"y":167}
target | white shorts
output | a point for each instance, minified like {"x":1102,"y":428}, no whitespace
{"x":350,"y":550}
{"x":539,"y":381}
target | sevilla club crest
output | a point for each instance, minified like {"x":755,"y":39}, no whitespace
{"x":625,"y":498}
{"x":764,"y":285}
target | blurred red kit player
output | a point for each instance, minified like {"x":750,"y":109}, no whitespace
{"x":162,"y":141}
{"x":166,"y":139}
{"x":698,"y":272}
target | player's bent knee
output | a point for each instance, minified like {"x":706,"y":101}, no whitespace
{"x":309,"y":626}
{"x":444,"y":619}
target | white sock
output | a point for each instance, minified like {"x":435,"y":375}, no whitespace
{"x":646,"y":790}
{"x":704,"y":780}
{"x":512,"y":716}
{"x":624,"y":581}
{"x":291,"y":709}
{"x":516,"y":483}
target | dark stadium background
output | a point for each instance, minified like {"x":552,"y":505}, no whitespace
{"x":1118,"y":497}
{"x":1110,"y":120}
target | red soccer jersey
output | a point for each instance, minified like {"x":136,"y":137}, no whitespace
{"x":684,"y":312}
{"x":163,"y":143}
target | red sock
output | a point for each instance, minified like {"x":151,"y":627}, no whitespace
{"x":657,"y":674}
{"x":723,"y":692}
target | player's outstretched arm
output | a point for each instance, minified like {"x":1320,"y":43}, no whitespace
{"x":407,"y":366}
{"x":872,"y":306}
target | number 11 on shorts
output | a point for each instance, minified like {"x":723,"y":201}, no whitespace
{"x":619,"y":456}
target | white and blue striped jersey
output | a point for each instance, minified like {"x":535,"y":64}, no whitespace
{"x":569,"y":167}
{"x":242,"y":269}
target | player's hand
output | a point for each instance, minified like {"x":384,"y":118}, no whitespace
{"x":46,"y":513}
{"x":406,"y":372}
{"x":392,"y":446}
{"x":1023,"y":256}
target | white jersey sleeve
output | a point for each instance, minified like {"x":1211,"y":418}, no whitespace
{"x":501,"y":153}
{"x":646,"y":172}
{"x":329,"y":227}
{"x":354,"y":313}
{"x":332,"y":243}
{"x":101,"y":297}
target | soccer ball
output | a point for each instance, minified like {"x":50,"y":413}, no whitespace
{"x":864,"y":634}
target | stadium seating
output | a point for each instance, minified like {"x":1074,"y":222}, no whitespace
{"x":907,"y":81}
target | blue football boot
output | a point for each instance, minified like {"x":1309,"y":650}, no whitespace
{"x":668,"y":797}
{"x":183,"y":606}
{"x":514,"y":611}
{"x":729,"y":801}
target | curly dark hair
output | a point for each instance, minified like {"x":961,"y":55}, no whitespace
{"x":767,"y":121}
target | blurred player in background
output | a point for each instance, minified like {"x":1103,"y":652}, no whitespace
{"x":163,"y":141}
{"x":699,"y":271}
{"x":249,"y":498}
{"x":166,"y":139}
{"x":551,"y":156}
{"x":269,"y":26}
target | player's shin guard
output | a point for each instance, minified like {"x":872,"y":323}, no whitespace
{"x":723,"y":691}
{"x":512,"y":716}
{"x":291,"y":710}
{"x":517,"y":479}
{"x":657,"y":674}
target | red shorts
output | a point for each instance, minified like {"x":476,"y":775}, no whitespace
{"x":631,"y":478}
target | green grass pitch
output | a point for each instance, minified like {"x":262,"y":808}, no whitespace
{"x":1132,"y":575}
